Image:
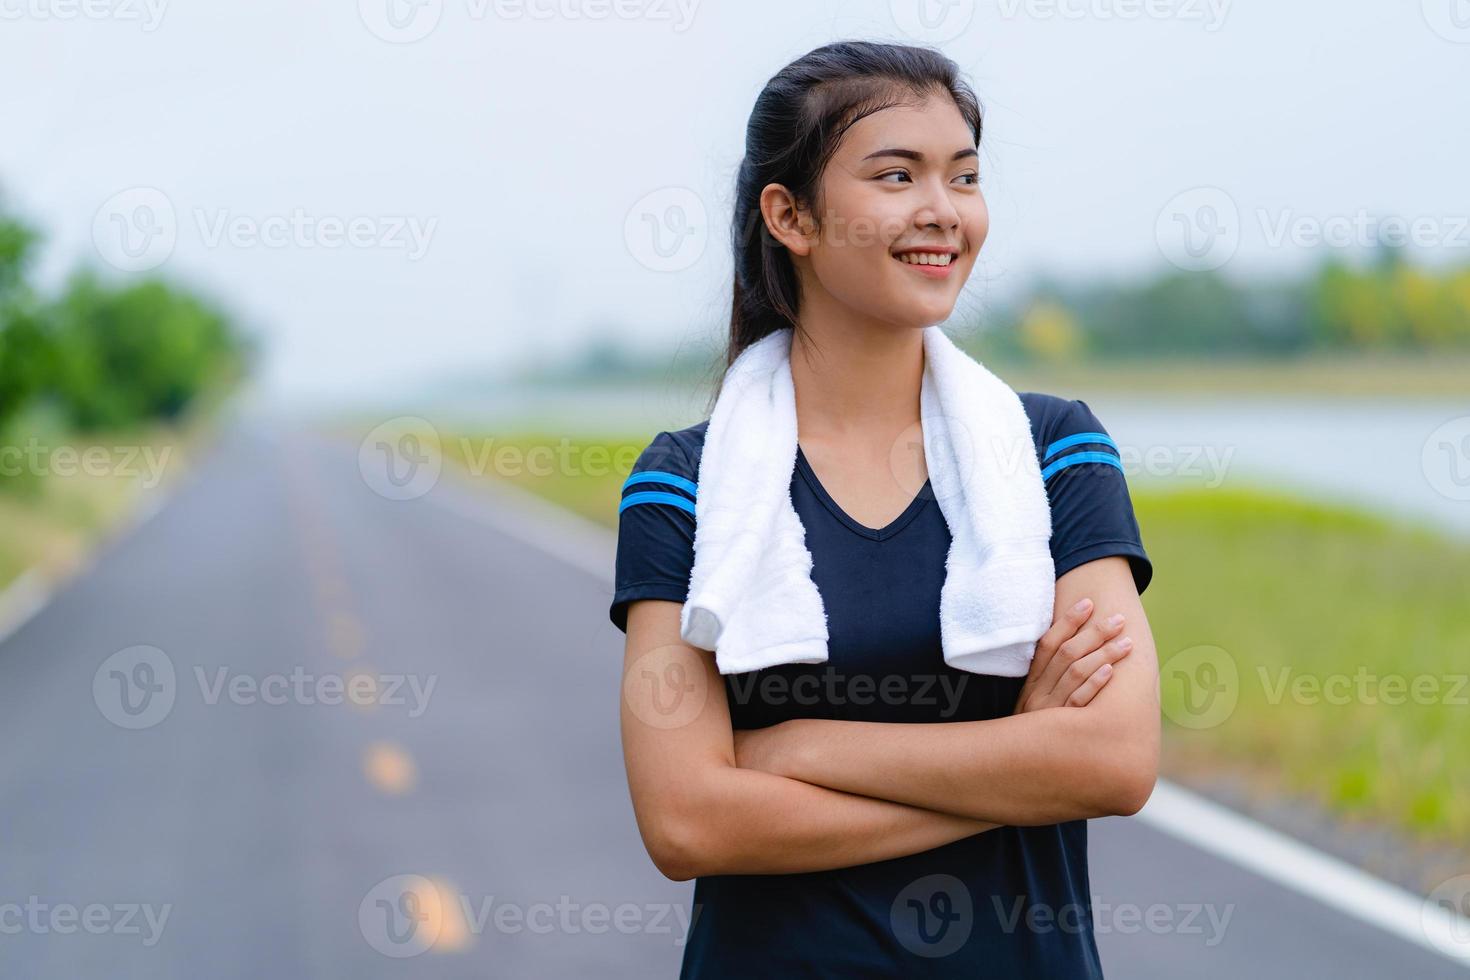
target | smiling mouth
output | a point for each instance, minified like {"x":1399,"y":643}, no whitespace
{"x":937,"y":260}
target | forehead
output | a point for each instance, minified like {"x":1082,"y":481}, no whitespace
{"x":934,"y":127}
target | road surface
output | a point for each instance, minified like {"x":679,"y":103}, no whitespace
{"x":190,"y":791}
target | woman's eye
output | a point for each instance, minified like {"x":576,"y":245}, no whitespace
{"x":894,"y":173}
{"x":973,"y":178}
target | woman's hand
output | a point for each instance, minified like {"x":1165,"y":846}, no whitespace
{"x":1073,"y":660}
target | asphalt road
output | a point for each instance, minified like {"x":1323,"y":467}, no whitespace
{"x":465,"y":813}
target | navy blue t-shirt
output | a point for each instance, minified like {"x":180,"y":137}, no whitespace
{"x":1011,"y":902}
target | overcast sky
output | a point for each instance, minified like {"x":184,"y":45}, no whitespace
{"x":394,"y":191}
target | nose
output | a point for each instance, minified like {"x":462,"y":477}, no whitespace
{"x":937,"y":210}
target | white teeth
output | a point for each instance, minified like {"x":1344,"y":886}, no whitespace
{"x":924,"y":258}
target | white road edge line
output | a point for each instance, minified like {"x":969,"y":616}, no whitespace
{"x":1281,"y":858}
{"x":1209,"y":826}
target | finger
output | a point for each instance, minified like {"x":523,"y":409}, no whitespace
{"x":1084,"y":694}
{"x":1092,"y":636}
{"x":1084,"y":668}
{"x":1060,"y":631}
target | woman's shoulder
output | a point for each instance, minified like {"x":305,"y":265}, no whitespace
{"x":1057,"y":416}
{"x":672,"y":454}
{"x":675,"y":450}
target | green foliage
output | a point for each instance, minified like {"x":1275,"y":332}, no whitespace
{"x":142,"y":351}
{"x":1388,"y":304}
{"x":101,"y":355}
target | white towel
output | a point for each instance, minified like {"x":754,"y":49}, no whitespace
{"x":751,"y":596}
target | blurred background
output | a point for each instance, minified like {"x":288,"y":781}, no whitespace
{"x":328,"y":334}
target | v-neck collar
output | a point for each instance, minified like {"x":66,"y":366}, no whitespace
{"x":804,"y":467}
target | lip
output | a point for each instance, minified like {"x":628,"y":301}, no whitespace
{"x":930,"y":271}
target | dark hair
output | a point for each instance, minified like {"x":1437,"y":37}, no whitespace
{"x":797,"y":123}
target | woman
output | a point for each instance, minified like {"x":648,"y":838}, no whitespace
{"x":881,"y":814}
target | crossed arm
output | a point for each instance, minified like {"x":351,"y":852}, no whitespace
{"x":813,"y":794}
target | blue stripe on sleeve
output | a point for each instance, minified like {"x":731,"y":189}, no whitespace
{"x":1078,"y":439}
{"x":1066,"y":461}
{"x":656,"y":497}
{"x":659,"y":476}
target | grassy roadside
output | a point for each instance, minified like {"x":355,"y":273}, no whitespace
{"x":63,"y":492}
{"x":1336,"y":375}
{"x":1320,"y":649}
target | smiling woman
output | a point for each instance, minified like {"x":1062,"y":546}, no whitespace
{"x":881,"y":813}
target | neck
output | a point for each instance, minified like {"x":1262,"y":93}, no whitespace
{"x":856,"y":378}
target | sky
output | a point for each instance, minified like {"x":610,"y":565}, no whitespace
{"x":396,"y":192}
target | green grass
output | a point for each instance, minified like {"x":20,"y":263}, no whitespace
{"x":50,"y":519}
{"x":1322,"y":592}
{"x":1275,"y":583}
{"x":1332,"y":374}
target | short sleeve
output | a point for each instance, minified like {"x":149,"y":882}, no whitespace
{"x":1091,"y":511}
{"x":655,"y":551}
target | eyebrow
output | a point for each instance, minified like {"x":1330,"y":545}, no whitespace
{"x":968,"y":151}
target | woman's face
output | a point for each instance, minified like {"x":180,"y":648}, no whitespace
{"x":903,"y":180}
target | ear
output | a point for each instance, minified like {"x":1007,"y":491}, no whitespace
{"x":785,"y":220}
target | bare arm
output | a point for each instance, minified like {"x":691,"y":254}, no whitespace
{"x":1038,"y":767}
{"x":699,"y":814}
